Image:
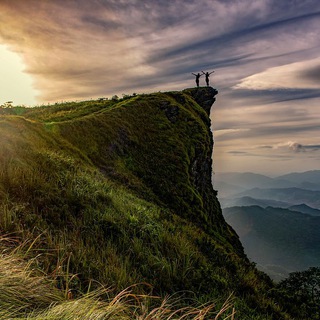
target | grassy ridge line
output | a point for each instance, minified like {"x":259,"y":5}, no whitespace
{"x":142,"y":141}
{"x":91,"y":188}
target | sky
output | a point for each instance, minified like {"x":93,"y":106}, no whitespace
{"x":265,"y":55}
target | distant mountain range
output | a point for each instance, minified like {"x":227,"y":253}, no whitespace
{"x":303,"y":208}
{"x":232,"y":183}
{"x":277,"y":239}
{"x":250,"y":201}
{"x":278,"y":197}
{"x":277,"y":219}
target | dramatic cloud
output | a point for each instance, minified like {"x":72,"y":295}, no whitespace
{"x":78,"y":49}
{"x":265,"y":55}
{"x":296,"y":147}
{"x":72,"y":51}
{"x":298,"y":75}
{"x":291,"y":145}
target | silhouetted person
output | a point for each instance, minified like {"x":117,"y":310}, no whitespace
{"x":197,"y":78}
{"x":207,"y":74}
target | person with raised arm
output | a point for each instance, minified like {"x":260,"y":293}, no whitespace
{"x":198,"y":75}
{"x":207,"y":74}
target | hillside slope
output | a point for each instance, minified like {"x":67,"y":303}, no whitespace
{"x":120,"y":192}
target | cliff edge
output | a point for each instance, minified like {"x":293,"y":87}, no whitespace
{"x":122,"y":190}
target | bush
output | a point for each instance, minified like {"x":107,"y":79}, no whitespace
{"x":302,"y":290}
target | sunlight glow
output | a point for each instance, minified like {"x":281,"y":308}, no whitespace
{"x":15,"y":85}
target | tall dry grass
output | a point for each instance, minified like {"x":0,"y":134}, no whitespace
{"x":28,"y":293}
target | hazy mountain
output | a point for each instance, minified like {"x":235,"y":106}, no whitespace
{"x":303,"y":208}
{"x":309,"y":186}
{"x":232,"y":183}
{"x":312,"y":176}
{"x":291,"y":195}
{"x":245,"y":180}
{"x":277,"y":219}
{"x":249,"y":201}
{"x":226,"y":189}
{"x":276,"y":237}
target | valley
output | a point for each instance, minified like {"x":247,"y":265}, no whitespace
{"x":277,"y":219}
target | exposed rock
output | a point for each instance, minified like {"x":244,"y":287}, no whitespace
{"x":204,"y":96}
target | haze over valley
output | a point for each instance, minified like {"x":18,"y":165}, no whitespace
{"x":276,"y":218}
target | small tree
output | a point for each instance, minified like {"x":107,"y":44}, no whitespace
{"x":303,"y":289}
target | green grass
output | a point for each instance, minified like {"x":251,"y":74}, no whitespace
{"x":118,"y":193}
{"x":27,"y":293}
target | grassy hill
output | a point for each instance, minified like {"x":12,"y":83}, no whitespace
{"x":117,"y":193}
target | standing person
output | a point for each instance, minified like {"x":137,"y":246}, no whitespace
{"x":207,"y":74}
{"x":197,"y":78}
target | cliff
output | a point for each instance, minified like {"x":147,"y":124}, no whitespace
{"x":123,"y":190}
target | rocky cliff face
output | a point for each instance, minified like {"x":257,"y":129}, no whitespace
{"x":204,"y":96}
{"x":201,"y":167}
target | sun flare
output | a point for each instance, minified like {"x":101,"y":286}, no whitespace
{"x":15,"y":84}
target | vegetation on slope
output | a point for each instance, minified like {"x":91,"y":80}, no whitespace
{"x":26,"y":293}
{"x":302,"y":290}
{"x":120,"y":191}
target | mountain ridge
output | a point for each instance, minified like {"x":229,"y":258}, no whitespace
{"x":275,"y":224}
{"x":292,"y":195}
{"x":247,"y":180}
{"x":121,"y":190}
{"x":290,"y":241}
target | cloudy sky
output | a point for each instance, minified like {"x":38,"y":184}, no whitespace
{"x":265,"y":54}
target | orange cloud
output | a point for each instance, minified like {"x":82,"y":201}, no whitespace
{"x":71,"y":53}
